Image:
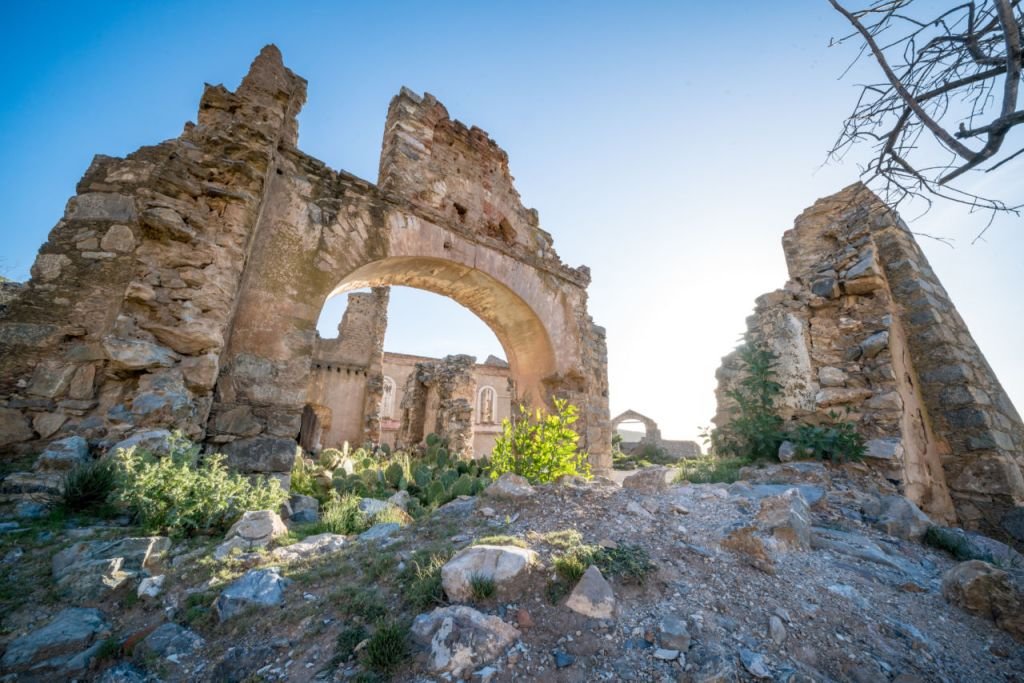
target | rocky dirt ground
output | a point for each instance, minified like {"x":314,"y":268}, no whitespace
{"x":748,"y":581}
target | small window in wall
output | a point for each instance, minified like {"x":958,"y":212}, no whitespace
{"x":387,"y":401}
{"x":486,"y":401}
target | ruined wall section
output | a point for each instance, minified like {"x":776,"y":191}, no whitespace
{"x":439,"y":398}
{"x":347,"y":377}
{"x":131,"y":298}
{"x":864,"y":328}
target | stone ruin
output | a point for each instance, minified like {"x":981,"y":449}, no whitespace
{"x":864,"y":324}
{"x":652,"y":437}
{"x":182,"y":287}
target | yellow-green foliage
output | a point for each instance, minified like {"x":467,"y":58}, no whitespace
{"x":540,"y":446}
{"x":181,"y":494}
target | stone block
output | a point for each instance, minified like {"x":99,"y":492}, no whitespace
{"x":261,"y":454}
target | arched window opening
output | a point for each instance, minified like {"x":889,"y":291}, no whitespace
{"x":486,"y":401}
{"x":387,"y":401}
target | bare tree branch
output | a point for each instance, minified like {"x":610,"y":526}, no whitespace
{"x":948,"y":99}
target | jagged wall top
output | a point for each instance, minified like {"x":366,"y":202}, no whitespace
{"x":456,"y":173}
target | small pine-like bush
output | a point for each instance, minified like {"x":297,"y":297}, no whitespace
{"x":181,"y":495}
{"x":541,"y":447}
{"x":388,"y":648}
{"x":88,"y":486}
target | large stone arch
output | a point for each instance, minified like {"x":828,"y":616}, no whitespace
{"x":651,"y":432}
{"x":183,"y":285}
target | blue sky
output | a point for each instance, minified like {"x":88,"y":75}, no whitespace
{"x":667,"y":145}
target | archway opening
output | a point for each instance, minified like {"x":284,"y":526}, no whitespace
{"x":415,"y":338}
{"x":631,"y":431}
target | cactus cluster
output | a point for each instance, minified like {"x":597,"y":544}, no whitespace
{"x":431,"y":474}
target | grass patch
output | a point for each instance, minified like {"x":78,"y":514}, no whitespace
{"x":556,"y":590}
{"x":711,"y":469}
{"x":347,"y":641}
{"x":629,"y":563}
{"x":387,"y":649}
{"x":199,"y":609}
{"x":421,"y":580}
{"x":360,"y":603}
{"x":571,"y":565}
{"x":340,"y":515}
{"x":482,"y":587}
{"x":501,"y":539}
{"x":565,"y":539}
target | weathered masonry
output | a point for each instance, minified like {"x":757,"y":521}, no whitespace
{"x":652,"y":437}
{"x":183,"y":284}
{"x":864,"y":325}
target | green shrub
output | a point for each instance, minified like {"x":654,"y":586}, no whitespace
{"x":88,"y":486}
{"x":482,"y":586}
{"x":331,"y":458}
{"x":388,"y":647}
{"x":179,"y":495}
{"x":755,"y":430}
{"x":711,"y":469}
{"x":541,"y":447}
{"x":303,"y":481}
{"x":422,"y":475}
{"x":571,"y":565}
{"x":437,"y":494}
{"x":838,"y":441}
{"x":341,"y":515}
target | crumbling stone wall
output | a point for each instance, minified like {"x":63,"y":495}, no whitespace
{"x":439,"y":398}
{"x":864,"y":326}
{"x":347,"y":378}
{"x":182,"y":287}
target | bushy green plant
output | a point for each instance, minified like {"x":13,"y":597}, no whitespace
{"x":180,"y":495}
{"x":540,"y":446}
{"x":387,"y":648}
{"x":838,"y":441}
{"x":572,"y":564}
{"x":436,"y":494}
{"x":711,"y":469}
{"x":341,"y":515}
{"x":348,"y":639}
{"x":755,"y":430}
{"x":463,"y":486}
{"x":303,"y":481}
{"x":88,"y":486}
{"x":422,"y":475}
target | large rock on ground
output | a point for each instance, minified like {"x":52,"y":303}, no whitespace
{"x":312,"y":546}
{"x":256,"y":588}
{"x":55,"y":645}
{"x":14,"y":427}
{"x":593,"y":596}
{"x":256,"y":529}
{"x":63,"y":454}
{"x":509,"y":486}
{"x":304,"y":509}
{"x":970,"y":545}
{"x":461,"y":639}
{"x":168,"y":639}
{"x":500,"y":563}
{"x":157,"y":441}
{"x":649,"y":479}
{"x":900,"y":517}
{"x":982,"y":589}
{"x":91,"y":569}
{"x":783,"y":523}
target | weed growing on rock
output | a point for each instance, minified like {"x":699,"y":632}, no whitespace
{"x":571,"y":565}
{"x":482,"y":587}
{"x":838,"y":441}
{"x":755,"y":430}
{"x":629,"y":563}
{"x":501,"y":539}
